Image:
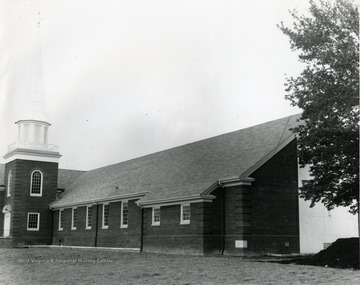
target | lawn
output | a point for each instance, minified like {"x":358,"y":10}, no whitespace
{"x":99,"y":266}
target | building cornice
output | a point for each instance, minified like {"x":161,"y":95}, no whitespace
{"x":32,"y":154}
{"x":111,"y":199}
{"x":176,"y":201}
{"x":33,"y":121}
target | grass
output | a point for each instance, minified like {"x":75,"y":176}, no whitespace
{"x":98,"y":266}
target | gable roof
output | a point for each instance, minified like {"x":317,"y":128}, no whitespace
{"x":184,"y":171}
{"x":67,"y":176}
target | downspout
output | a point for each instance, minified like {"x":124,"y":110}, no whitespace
{"x":223,"y":220}
{"x":97,"y":224}
{"x":142,"y":230}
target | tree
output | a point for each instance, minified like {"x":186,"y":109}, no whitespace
{"x":328,"y":92}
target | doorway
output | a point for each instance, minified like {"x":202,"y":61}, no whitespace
{"x":7,"y":217}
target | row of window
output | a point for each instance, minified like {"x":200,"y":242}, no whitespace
{"x":33,"y":219}
{"x":124,"y":220}
{"x":184,"y":215}
{"x":36,"y":183}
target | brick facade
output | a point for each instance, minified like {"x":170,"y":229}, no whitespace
{"x":255,"y":214}
{"x":275,"y":209}
{"x":22,"y":203}
{"x":113,"y":236}
{"x":264,"y":214}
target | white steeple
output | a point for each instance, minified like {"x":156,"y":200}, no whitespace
{"x":35,"y":107}
{"x":33,"y":123}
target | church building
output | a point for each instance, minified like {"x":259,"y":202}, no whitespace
{"x":234,"y":194}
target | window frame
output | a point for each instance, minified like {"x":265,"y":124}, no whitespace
{"x":182,"y":221}
{"x":122,"y":224}
{"x":103,"y":226}
{"x":73,"y":227}
{"x":38,"y":222}
{"x":41,"y":183}
{"x":61,"y":220}
{"x":9,"y":184}
{"x":87,"y":227}
{"x":156,"y":223}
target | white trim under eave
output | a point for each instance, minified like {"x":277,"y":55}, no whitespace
{"x":267,"y":157}
{"x":99,"y":201}
{"x":229,"y":182}
{"x":176,"y":201}
{"x":236,"y":181}
{"x":29,"y":154}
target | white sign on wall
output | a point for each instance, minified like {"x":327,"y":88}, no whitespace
{"x":241,"y":244}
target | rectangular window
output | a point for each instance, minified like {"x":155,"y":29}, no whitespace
{"x":124,"y":214}
{"x":156,"y":216}
{"x":33,"y":221}
{"x":74,"y":219}
{"x":185,"y":214}
{"x":61,"y":220}
{"x":88,"y":217}
{"x":105,"y":219}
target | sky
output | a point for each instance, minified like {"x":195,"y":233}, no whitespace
{"x":125,"y":78}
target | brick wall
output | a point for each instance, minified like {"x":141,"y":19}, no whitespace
{"x":170,"y":236}
{"x":113,"y":236}
{"x":22,"y":203}
{"x":275,"y":212}
{"x":199,"y":237}
{"x":238,"y":217}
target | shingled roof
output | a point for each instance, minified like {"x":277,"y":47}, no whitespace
{"x":184,"y":171}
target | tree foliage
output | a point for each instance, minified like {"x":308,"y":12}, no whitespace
{"x":328,"y":92}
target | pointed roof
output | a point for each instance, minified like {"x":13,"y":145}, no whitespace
{"x":185,"y":171}
{"x":35,"y":106}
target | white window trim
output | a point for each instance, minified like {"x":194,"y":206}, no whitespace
{"x":122,"y":212}
{"x":87,"y":227}
{"x":184,"y":222}
{"x":153,"y":212}
{"x":41,"y":183}
{"x":9,"y":184}
{"x":103,"y":216}
{"x":38,"y":222}
{"x":61,"y":213}
{"x":72,"y":218}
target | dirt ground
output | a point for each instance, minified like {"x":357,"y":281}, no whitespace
{"x":97,"y":266}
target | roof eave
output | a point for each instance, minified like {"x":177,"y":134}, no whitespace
{"x":176,"y":200}
{"x":98,"y":201}
{"x":267,"y":157}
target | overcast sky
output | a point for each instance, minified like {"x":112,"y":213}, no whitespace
{"x":127,"y":78}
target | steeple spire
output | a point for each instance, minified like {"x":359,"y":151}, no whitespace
{"x":35,"y":106}
{"x":33,"y":124}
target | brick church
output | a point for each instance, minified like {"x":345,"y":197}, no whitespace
{"x":235,"y":193}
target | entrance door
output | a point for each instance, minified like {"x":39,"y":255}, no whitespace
{"x":7,"y":224}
